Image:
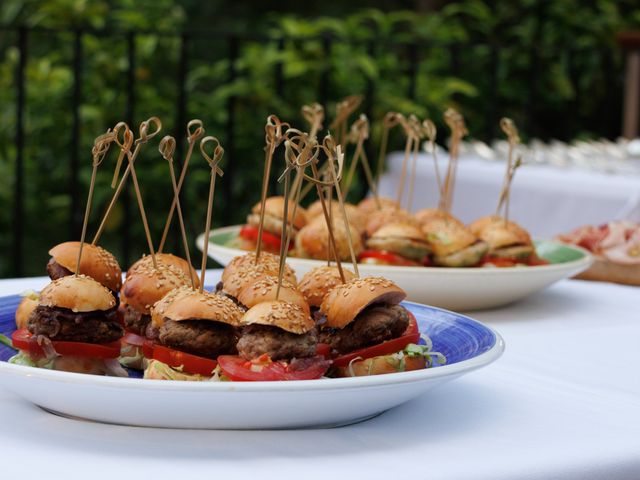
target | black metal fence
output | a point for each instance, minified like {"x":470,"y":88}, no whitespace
{"x":413,"y":53}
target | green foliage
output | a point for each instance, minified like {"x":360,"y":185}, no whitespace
{"x":553,"y":66}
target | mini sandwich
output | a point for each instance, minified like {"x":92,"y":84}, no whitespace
{"x":369,"y":332}
{"x":369,"y":204}
{"x":272,"y":227}
{"x":453,"y":244}
{"x":178,"y":262}
{"x":143,"y":286}
{"x":380,"y":218}
{"x":25,"y":308}
{"x":192,"y":329}
{"x":318,"y":281}
{"x":509,"y":243}
{"x":354,"y":215}
{"x":265,"y":290}
{"x":313,"y":240}
{"x":397,"y":244}
{"x":278,"y":342}
{"x":74,"y":328}
{"x":96,"y":263}
{"x":242,"y":271}
{"x":427,"y":214}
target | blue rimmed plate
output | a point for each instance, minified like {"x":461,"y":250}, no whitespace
{"x":467,"y":344}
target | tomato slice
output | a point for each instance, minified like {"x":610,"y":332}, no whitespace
{"x":388,"y":258}
{"x":324,"y":350}
{"x":412,"y":329}
{"x":269,"y":240}
{"x":23,"y":340}
{"x":188,"y":362}
{"x":265,"y":370}
{"x":535,"y":260}
{"x":147,"y":348}
{"x":384,"y":348}
{"x":498,"y":262}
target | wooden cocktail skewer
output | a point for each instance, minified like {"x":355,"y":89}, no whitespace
{"x":167,"y":148}
{"x":125,"y":147}
{"x":358,"y":134}
{"x":213,"y":161}
{"x":408,"y":125}
{"x":99,"y":152}
{"x":391,"y":119}
{"x":193,"y":135}
{"x":273,"y":137}
{"x":418,"y":134}
{"x":455,"y":121}
{"x":344,"y":109}
{"x":513,"y":138}
{"x":430,"y":131}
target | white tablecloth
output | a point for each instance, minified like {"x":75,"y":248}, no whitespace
{"x":563,"y":403}
{"x":546,"y":200}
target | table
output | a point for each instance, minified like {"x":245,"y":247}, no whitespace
{"x":545,"y":199}
{"x":563,"y":403}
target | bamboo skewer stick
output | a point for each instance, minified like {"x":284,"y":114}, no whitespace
{"x":391,"y":119}
{"x":513,"y":138}
{"x":455,"y":121}
{"x":192,"y":138}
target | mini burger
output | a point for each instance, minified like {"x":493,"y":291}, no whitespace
{"x":143,"y":286}
{"x":380,"y":218}
{"x":427,"y":214}
{"x":318,"y":281}
{"x":278,"y":342}
{"x":25,"y":308}
{"x":509,"y":243}
{"x":192,"y":329}
{"x":354,"y":215}
{"x":272,"y":227}
{"x":242,"y":271}
{"x":397,"y":244}
{"x":73,"y":328}
{"x":96,"y":263}
{"x":313,"y":240}
{"x":265,"y":290}
{"x":178,"y":262}
{"x":453,"y":244}
{"x":369,"y":204}
{"x":369,"y":332}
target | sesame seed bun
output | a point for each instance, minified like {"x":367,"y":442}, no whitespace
{"x":144,"y":285}
{"x":77,"y":293}
{"x":313,"y":240}
{"x":477,"y":226}
{"x":25,"y":309}
{"x":502,"y":234}
{"x":354,"y":215}
{"x":379,"y":218}
{"x":264,"y":290}
{"x":274,"y":206}
{"x":96,"y":262}
{"x":369,"y":205}
{"x":187,"y":304}
{"x":343,"y":304}
{"x":319,"y":281}
{"x":446,"y":236}
{"x":178,"y":262}
{"x":400,"y":229}
{"x":427,"y":214}
{"x":278,"y":313}
{"x":268,"y":261}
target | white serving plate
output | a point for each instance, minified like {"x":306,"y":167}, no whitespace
{"x":467,"y":343}
{"x":459,"y":289}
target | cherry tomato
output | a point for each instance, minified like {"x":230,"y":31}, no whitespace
{"x":387,"y":258}
{"x":265,"y":370}
{"x":188,"y":362}
{"x":23,"y":340}
{"x":270,"y":241}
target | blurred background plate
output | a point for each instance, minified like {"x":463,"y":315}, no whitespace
{"x":453,"y":288}
{"x":467,"y":344}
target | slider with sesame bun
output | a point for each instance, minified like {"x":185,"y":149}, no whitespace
{"x":192,"y":329}
{"x":143,"y":286}
{"x":379,"y":218}
{"x":354,"y":215}
{"x":96,"y":263}
{"x":266,"y":288}
{"x":313,"y":240}
{"x":272,"y":228}
{"x":369,"y":332}
{"x":369,"y":204}
{"x":74,"y":328}
{"x":278,"y":342}
{"x":453,"y":244}
{"x":427,"y":214}
{"x":397,"y":243}
{"x":317,"y":282}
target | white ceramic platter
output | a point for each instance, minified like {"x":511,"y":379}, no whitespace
{"x":459,"y":289}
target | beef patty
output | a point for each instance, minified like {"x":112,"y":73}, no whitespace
{"x":256,"y":340}
{"x":62,"y":324}
{"x":199,"y":337}
{"x":373,"y":325}
{"x":135,"y":321}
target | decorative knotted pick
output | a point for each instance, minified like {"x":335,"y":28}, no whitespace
{"x":273,"y":137}
{"x":125,"y":149}
{"x":314,"y":115}
{"x":513,"y":138}
{"x":358,"y":134}
{"x":167,"y":148}
{"x":412,"y":130}
{"x":98,"y":152}
{"x":418,"y":133}
{"x":455,"y":122}
{"x":213,"y":160}
{"x":344,"y":109}
{"x":429,"y":130}
{"x":390,"y":120}
{"x":195,"y":130}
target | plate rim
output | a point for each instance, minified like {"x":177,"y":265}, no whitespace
{"x":330,"y":384}
{"x":579,"y":264}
